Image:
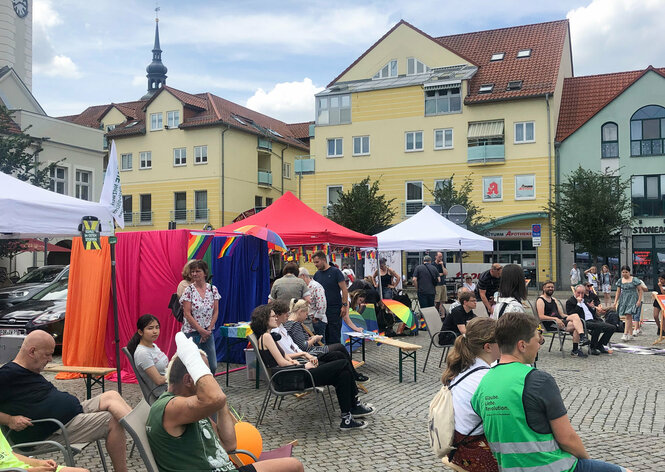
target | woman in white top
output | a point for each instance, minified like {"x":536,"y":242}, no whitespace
{"x":468,"y":362}
{"x":150,"y":361}
{"x":468,"y":283}
{"x":512,"y":291}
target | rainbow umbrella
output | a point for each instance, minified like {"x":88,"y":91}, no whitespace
{"x":359,"y":322}
{"x":273,"y":239}
{"x":402,"y":312}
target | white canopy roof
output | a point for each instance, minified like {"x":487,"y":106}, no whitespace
{"x":28,"y":211}
{"x":429,"y":230}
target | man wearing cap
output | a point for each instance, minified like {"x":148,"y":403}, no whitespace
{"x":425,"y":279}
{"x":317,"y":303}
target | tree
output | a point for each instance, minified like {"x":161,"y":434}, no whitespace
{"x":18,"y":157}
{"x":447,"y":195}
{"x":363,"y":209}
{"x":589,"y":208}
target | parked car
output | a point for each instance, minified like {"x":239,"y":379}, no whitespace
{"x":32,"y":283}
{"x":45,"y":311}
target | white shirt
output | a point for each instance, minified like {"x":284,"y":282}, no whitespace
{"x":587,"y":313}
{"x":287,"y":344}
{"x":465,"y":418}
{"x":471,"y":287}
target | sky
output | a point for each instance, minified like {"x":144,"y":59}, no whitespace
{"x":273,"y":56}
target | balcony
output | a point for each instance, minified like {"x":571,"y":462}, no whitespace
{"x":198,"y":215}
{"x":304,"y":166}
{"x":411,"y":208}
{"x":264,"y":145}
{"x":486,"y":154}
{"x":138,"y":218}
{"x":265,"y":178}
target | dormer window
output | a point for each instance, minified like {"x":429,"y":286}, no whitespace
{"x":486,"y":88}
{"x":524,"y":53}
{"x":239,"y":120}
{"x":414,"y":66}
{"x":389,"y":70}
{"x":497,"y":56}
{"x":514,"y":85}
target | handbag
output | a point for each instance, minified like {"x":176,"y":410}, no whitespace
{"x":176,"y":308}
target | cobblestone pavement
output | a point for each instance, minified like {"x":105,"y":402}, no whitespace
{"x":612,"y":402}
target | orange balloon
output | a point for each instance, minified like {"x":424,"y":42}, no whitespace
{"x":248,"y":438}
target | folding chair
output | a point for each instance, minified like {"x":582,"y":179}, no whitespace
{"x":434,"y":325}
{"x":280,"y":394}
{"x":552,"y":329}
{"x":150,"y":394}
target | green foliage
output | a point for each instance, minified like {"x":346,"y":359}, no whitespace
{"x":448,"y":194}
{"x":363,"y":209}
{"x":590,"y":209}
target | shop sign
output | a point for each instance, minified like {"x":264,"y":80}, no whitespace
{"x":492,"y":189}
{"x":525,"y":187}
{"x":510,"y":234}
{"x":642,"y":257}
{"x":648,"y":229}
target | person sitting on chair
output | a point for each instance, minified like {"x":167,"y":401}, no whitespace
{"x":596,"y":326}
{"x":180,"y":432}
{"x":11,"y":460}
{"x":548,"y":312}
{"x":26,"y":395}
{"x":458,"y":317}
{"x":150,"y":361}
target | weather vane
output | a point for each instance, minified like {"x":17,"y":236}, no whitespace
{"x":157,"y":12}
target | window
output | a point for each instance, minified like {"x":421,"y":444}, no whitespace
{"x":443,"y":138}
{"x":609,"y":141}
{"x":413,"y":141}
{"x":156,"y":121}
{"x":414,"y":198}
{"x":268,"y":201}
{"x":524,"y":53}
{"x":200,"y":155}
{"x":389,"y":70}
{"x":524,"y":132}
{"x":498,"y":56}
{"x":180,"y":206}
{"x":258,"y":201}
{"x":83,"y":182}
{"x":414,"y":66}
{"x":486,"y":88}
{"x":492,"y":189}
{"x":525,"y":187}
{"x":58,"y":183}
{"x":201,"y":205}
{"x":335,"y":147}
{"x":145,"y":208}
{"x":441,"y":184}
{"x":333,"y":110}
{"x":180,"y":157}
{"x":127,"y":208}
{"x":173,"y":119}
{"x":145,"y":160}
{"x":287,"y":170}
{"x":514,"y":85}
{"x":105,"y":140}
{"x":438,"y":102}
{"x":360,"y":145}
{"x":648,"y":195}
{"x":126,"y":161}
{"x":334,"y":192}
{"x":647,"y":130}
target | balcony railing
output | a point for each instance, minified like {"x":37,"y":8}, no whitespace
{"x":304,"y":166}
{"x":190,"y":216}
{"x":488,"y":153}
{"x":265,"y":178}
{"x":138,"y":218}
{"x":264,"y":145}
{"x":411,"y":208}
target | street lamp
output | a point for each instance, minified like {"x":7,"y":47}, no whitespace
{"x":626,"y":232}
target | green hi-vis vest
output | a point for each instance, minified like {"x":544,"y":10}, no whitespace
{"x":516,"y":447}
{"x":197,"y":449}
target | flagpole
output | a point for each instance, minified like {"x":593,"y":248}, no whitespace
{"x":114,"y":291}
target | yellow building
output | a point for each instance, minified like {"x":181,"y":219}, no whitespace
{"x":414,"y":110}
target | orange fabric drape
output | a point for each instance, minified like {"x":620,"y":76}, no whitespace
{"x":88,"y":299}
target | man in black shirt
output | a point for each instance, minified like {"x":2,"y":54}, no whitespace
{"x":425,"y":280}
{"x":548,"y":312}
{"x":26,"y":395}
{"x":458,"y":317}
{"x":441,"y":291}
{"x":488,"y":284}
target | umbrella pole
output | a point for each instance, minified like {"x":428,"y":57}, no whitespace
{"x":114,"y":291}
{"x":461,"y":268}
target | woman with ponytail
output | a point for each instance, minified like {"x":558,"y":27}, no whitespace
{"x":150,"y":361}
{"x":468,"y":362}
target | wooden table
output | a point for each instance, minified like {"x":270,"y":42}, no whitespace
{"x":406,"y":350}
{"x":239,"y":332}
{"x":93,"y":375}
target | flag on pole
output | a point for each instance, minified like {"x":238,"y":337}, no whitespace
{"x":111,"y":196}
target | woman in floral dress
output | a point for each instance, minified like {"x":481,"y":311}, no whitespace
{"x":628,"y":301}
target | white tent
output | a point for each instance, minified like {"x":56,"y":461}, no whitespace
{"x":429,"y":230}
{"x":28,"y":211}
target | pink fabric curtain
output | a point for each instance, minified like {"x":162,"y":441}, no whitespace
{"x":148,"y":270}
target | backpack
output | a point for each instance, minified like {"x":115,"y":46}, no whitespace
{"x":441,"y":420}
{"x":176,"y":308}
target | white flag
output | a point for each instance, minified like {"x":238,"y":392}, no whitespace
{"x":111,"y":192}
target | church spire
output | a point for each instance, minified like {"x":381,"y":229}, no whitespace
{"x":156,"y":71}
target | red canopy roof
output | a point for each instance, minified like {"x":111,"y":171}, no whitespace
{"x":299,"y":225}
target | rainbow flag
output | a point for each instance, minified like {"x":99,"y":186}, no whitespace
{"x":228,"y":247}
{"x":359,"y":256}
{"x":332,"y":257}
{"x":197,"y":245}
{"x":372,"y":254}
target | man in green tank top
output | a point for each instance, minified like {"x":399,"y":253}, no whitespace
{"x":180,"y":432}
{"x":525,"y":420}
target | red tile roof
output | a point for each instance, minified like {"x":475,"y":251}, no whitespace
{"x":300,"y":130}
{"x":538,"y":72}
{"x":583,"y":97}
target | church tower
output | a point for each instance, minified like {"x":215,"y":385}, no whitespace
{"x":156,"y":71}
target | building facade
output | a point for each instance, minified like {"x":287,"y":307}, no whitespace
{"x":617,"y":122}
{"x":414,"y":110}
{"x":16,"y":38}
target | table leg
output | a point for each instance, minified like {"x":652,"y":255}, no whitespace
{"x":258,"y":372}
{"x":414,"y":366}
{"x":400,"y":365}
{"x":363,"y":341}
{"x":88,"y":386}
{"x":228,"y":354}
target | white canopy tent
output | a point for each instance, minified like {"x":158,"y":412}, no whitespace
{"x":28,"y":211}
{"x":429,"y":230}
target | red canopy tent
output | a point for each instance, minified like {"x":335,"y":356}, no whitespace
{"x":299,"y":225}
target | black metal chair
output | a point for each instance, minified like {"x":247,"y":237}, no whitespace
{"x":434,"y":325}
{"x":149,"y":394}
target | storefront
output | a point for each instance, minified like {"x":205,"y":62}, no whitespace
{"x":648,"y":253}
{"x":514,"y":246}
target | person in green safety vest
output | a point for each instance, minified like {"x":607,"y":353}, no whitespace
{"x":524,"y":418}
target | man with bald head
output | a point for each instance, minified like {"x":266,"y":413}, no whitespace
{"x":26,"y":395}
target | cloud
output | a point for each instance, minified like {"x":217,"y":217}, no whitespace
{"x":290,"y":102}
{"x":46,"y":60}
{"x":60,"y":66}
{"x":617,"y":35}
